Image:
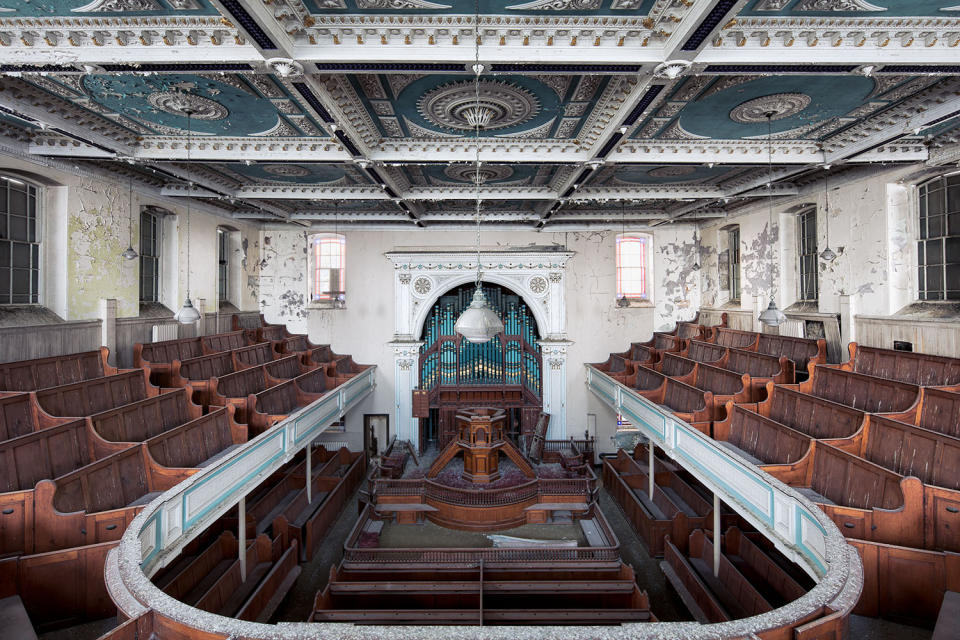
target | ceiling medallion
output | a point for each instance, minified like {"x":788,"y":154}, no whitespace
{"x":781,"y":105}
{"x":286,"y":170}
{"x":455,"y":105}
{"x":671,"y":172}
{"x":488,"y":172}
{"x":180,"y":103}
{"x":671,"y":69}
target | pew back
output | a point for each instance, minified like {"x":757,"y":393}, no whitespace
{"x":222,"y":342}
{"x":193,"y":443}
{"x":914,"y":451}
{"x":905,"y":366}
{"x":93,"y":396}
{"x":675,"y":366}
{"x":800,"y":350}
{"x":110,"y":483}
{"x":18,"y":416}
{"x":49,"y":453}
{"x":705,"y":351}
{"x":867,"y":393}
{"x":138,"y":421}
{"x":761,"y":437}
{"x":940,"y":411}
{"x":851,"y":481}
{"x":166,"y":351}
{"x":40,"y":373}
{"x":252,"y":356}
{"x":736,"y":338}
{"x":284,"y":368}
{"x":239,"y":384}
{"x":811,"y":415}
{"x":316,"y":381}
{"x":204,"y":367}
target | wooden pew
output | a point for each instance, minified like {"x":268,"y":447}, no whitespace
{"x":802,"y":351}
{"x":702,"y":351}
{"x":197,"y":373}
{"x":905,"y":366}
{"x":332,"y":486}
{"x":253,"y":356}
{"x":273,"y":404}
{"x":938,"y":410}
{"x":320,"y":356}
{"x":687,"y":402}
{"x":661,"y":342}
{"x":727,"y":596}
{"x":764,"y":441}
{"x":297,"y":345}
{"x":158,"y":357}
{"x":344,"y":369}
{"x":761,"y":368}
{"x":735,"y":338}
{"x":866,"y":501}
{"x":283,"y":369}
{"x":19,"y":415}
{"x":40,"y":373}
{"x":760,"y":569}
{"x":234,"y":388}
{"x":809,"y":414}
{"x":689,"y":330}
{"x":912,"y":451}
{"x":867,"y":393}
{"x":219,"y":342}
{"x":92,"y":396}
{"x":49,"y":453}
{"x":138,"y":421}
{"x":98,"y":501}
{"x":617,"y":367}
{"x":725,"y":385}
{"x":198,"y":443}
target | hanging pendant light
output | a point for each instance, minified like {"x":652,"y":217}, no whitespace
{"x":696,"y":241}
{"x":827,"y":255}
{"x":188,"y":314}
{"x":478,"y":323}
{"x":622,"y":301}
{"x":130,"y":253}
{"x":771,"y":316}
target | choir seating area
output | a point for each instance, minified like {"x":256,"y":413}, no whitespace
{"x":873,"y":442}
{"x":84,"y":446}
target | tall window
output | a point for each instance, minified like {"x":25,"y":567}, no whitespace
{"x":938,"y":250}
{"x":633,"y":266}
{"x":19,"y":243}
{"x":733,"y":240}
{"x":149,"y":256}
{"x":807,"y":236}
{"x":223,"y":265}
{"x":328,"y":254}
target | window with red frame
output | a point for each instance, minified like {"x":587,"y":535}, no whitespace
{"x":329,"y":266}
{"x":633,"y":266}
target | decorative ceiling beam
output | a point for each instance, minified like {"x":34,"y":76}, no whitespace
{"x":717,"y":151}
{"x":492,"y":150}
{"x":229,"y":149}
{"x":487,"y":192}
{"x":60,"y":145}
{"x":308,"y":192}
{"x":348,"y":216}
{"x":649,"y":192}
{"x":775,"y":189}
{"x":182,"y":190}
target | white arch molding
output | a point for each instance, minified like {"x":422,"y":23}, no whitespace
{"x":421,"y":277}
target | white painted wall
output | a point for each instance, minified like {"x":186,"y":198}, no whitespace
{"x":595,"y":325}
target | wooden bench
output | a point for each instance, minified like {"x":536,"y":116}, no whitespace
{"x":344,"y":369}
{"x":905,"y":366}
{"x":158,"y":357}
{"x":725,"y":385}
{"x":804,"y":352}
{"x":809,"y":414}
{"x":938,"y":410}
{"x":253,"y":356}
{"x":219,"y":342}
{"x":867,"y":393}
{"x":912,"y":451}
{"x":320,"y":357}
{"x":296,"y":345}
{"x":617,"y":367}
{"x":97,"y":502}
{"x":273,"y":404}
{"x":689,"y":330}
{"x":761,"y":368}
{"x":702,"y":351}
{"x":49,"y":453}
{"x":272,"y":333}
{"x":138,"y":421}
{"x":235,"y":388}
{"x":735,"y":338}
{"x":687,"y":402}
{"x":283,"y":369}
{"x":661,"y":342}
{"x":198,"y":443}
{"x":758,"y":439}
{"x":19,"y":415}
{"x":760,"y":569}
{"x":92,"y":396}
{"x":40,"y":373}
{"x":197,"y":373}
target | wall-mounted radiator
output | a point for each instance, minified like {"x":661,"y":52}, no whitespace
{"x":163,"y":332}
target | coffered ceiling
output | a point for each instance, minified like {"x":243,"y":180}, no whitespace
{"x":595,"y":112}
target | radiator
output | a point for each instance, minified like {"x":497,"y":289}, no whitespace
{"x":793,"y":328}
{"x":333,"y":445}
{"x":163,"y":332}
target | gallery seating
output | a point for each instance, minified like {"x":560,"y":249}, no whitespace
{"x":860,"y":391}
{"x":197,"y":373}
{"x":20,"y":415}
{"x":758,"y":439}
{"x":761,"y":368}
{"x":320,"y":356}
{"x":273,"y":404}
{"x":283,"y":369}
{"x":938,"y":410}
{"x":804,"y":352}
{"x":344,"y":369}
{"x":809,"y":414}
{"x":905,"y":366}
{"x":689,"y":403}
{"x":253,"y":356}
{"x":234,"y":388}
{"x":158,"y":357}
{"x":912,"y":451}
{"x":31,"y":375}
{"x":661,"y":342}
{"x":198,"y":443}
{"x":91,"y":396}
{"x":143,"y":419}
{"x":725,"y":385}
{"x":735,"y":338}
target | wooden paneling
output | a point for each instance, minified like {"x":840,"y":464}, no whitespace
{"x":43,"y":341}
{"x":937,"y":337}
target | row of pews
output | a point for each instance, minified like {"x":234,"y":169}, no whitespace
{"x":84,"y":446}
{"x":874,"y":441}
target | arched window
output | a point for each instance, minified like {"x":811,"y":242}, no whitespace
{"x":19,"y":242}
{"x":327,"y":263}
{"x":938,"y":244}
{"x":635,"y":267}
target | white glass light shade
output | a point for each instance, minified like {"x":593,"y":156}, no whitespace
{"x":478,"y":323}
{"x":828,"y":255}
{"x":188,"y":314}
{"x":130,"y":253}
{"x":771,"y":316}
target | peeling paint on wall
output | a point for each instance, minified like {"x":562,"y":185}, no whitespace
{"x":759,"y":261}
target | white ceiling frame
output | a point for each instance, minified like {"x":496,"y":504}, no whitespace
{"x":307,"y":192}
{"x":238,"y":149}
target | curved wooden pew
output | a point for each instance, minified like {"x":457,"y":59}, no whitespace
{"x":92,"y":396}
{"x":759,"y":439}
{"x":867,"y":393}
{"x":273,"y":404}
{"x":40,"y":373}
{"x":197,"y":372}
{"x":219,"y":342}
{"x":20,"y":415}
{"x":938,"y":410}
{"x":761,"y":368}
{"x":723,"y":384}
{"x":138,"y":421}
{"x":198,"y":443}
{"x":811,"y":415}
{"x":912,"y":451}
{"x":804,"y":352}
{"x":234,"y":388}
{"x":662,"y":342}
{"x":344,"y":369}
{"x":297,"y":345}
{"x":253,"y":356}
{"x":689,"y":403}
{"x":157,"y":357}
{"x":617,"y":367}
{"x":97,"y":502}
{"x":735,"y":338}
{"x":320,"y":356}
{"x":284,"y":369}
{"x":702,"y":351}
{"x":905,"y":366}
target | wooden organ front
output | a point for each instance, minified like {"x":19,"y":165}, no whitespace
{"x":505,"y":372}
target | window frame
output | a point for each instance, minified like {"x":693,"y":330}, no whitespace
{"x":157,"y":246}
{"x":645,"y":297}
{"x":223,"y":265}
{"x":947,"y":236}
{"x":733,"y":268}
{"x":805,"y":217}
{"x":33,"y":193}
{"x":315,"y":243}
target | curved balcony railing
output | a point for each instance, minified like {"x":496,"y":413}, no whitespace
{"x":796,"y":526}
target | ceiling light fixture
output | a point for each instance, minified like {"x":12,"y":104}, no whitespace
{"x":478,"y":323}
{"x":130,"y":253}
{"x":188,"y":314}
{"x":827,"y":255}
{"x":771,"y":316}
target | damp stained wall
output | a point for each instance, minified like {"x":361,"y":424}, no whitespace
{"x":595,"y":324}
